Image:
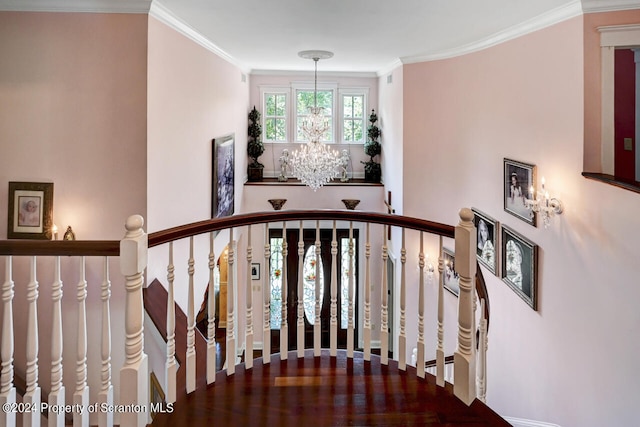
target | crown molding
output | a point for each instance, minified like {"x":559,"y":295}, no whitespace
{"x":305,"y":73}
{"x":554,"y":16}
{"x":594,"y":6}
{"x":164,"y":15}
{"x":81,"y":6}
{"x":389,"y":68}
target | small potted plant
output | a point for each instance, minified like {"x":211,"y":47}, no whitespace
{"x":372,"y":148}
{"x":255,"y":148}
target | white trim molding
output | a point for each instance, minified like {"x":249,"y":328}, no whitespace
{"x":547,"y":19}
{"x":594,"y":6}
{"x":164,"y":15}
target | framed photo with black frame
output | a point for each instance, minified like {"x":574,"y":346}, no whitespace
{"x":30,"y":213}
{"x":255,"y":271}
{"x":222,"y":185}
{"x":519,"y":266}
{"x":518,"y":179}
{"x":451,"y":280}
{"x":487,"y":241}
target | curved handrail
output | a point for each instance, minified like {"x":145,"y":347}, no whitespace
{"x":195,"y":228}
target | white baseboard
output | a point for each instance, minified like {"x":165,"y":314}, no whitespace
{"x":519,"y":422}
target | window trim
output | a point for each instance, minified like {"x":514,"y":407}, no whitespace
{"x":276,"y":90}
{"x":351,"y":91}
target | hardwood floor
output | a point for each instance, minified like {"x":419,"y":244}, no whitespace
{"x":325,"y":391}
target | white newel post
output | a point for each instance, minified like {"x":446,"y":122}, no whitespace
{"x":464,"y":358}
{"x":134,"y":375}
{"x":7,"y":390}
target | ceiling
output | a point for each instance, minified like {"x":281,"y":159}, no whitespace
{"x":366,"y":36}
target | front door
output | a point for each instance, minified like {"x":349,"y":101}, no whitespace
{"x":309,"y":285}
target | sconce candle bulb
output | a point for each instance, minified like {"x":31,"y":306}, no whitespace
{"x":54,"y":232}
{"x":543,"y":203}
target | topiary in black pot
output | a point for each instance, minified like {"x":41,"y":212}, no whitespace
{"x":372,"y":148}
{"x":255,"y":148}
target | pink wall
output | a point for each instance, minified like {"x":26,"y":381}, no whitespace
{"x":193,"y":97}
{"x":625,"y":113}
{"x":524,"y":100}
{"x":592,"y":80}
{"x":73,"y":112}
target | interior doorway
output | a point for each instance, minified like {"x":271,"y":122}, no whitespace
{"x":310,"y":260}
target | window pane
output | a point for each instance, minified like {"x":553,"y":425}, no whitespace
{"x":309,"y":285}
{"x":358,"y":106}
{"x":280,"y":106}
{"x":269,"y":130}
{"x":348,"y":106}
{"x":348,"y":130}
{"x":280,"y":130}
{"x":358,"y":131}
{"x":270,"y":105}
{"x":276,"y":283}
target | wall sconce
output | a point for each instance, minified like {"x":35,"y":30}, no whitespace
{"x":540,"y":202}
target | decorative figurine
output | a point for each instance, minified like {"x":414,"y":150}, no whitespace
{"x":344,"y":164}
{"x":284,"y":164}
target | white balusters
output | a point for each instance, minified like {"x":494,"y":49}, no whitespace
{"x":105,"y":418}
{"x":316,"y":324}
{"x":57,"y":394}
{"x":231,"y":310}
{"x":333,"y":333}
{"x":464,"y":356}
{"x":32,"y":396}
{"x":171,"y":367}
{"x":284,"y":324}
{"x":440,"y":366}
{"x":420,"y":359}
{"x":482,"y":355}
{"x":211,"y":314}
{"x":367,"y":298}
{"x":191,"y":325}
{"x":81,"y":394}
{"x":248,"y":348}
{"x":402,"y":338}
{"x":384,"y":298}
{"x":266,"y":299}
{"x":7,"y":390}
{"x":300,"y":323}
{"x":134,"y":375}
{"x":350,"y":326}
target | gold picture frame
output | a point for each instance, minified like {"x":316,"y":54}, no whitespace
{"x":30,"y":213}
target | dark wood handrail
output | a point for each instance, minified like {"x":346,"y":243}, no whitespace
{"x":195,"y":228}
{"x":60,"y":247}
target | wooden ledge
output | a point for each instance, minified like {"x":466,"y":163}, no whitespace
{"x":612,"y":180}
{"x":296,"y":182}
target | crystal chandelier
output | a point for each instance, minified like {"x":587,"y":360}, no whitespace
{"x":315,"y":164}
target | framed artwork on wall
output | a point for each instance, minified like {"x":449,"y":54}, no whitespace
{"x":30,"y":213}
{"x":451,"y":280}
{"x":255,"y":271}
{"x":518,"y":179}
{"x":222,"y":185}
{"x":519,"y":265}
{"x":487,"y":241}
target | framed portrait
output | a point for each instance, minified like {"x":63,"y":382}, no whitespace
{"x":519,"y":265}
{"x":30,"y":210}
{"x":487,"y":241}
{"x":222,"y":186}
{"x":451,"y":280}
{"x":518,"y":179}
{"x":255,"y":271}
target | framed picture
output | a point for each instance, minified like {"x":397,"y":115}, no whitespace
{"x":487,"y":240}
{"x":222,"y":186}
{"x":255,"y":271}
{"x":451,"y":280}
{"x":30,"y":210}
{"x":518,"y":179}
{"x":519,"y":265}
